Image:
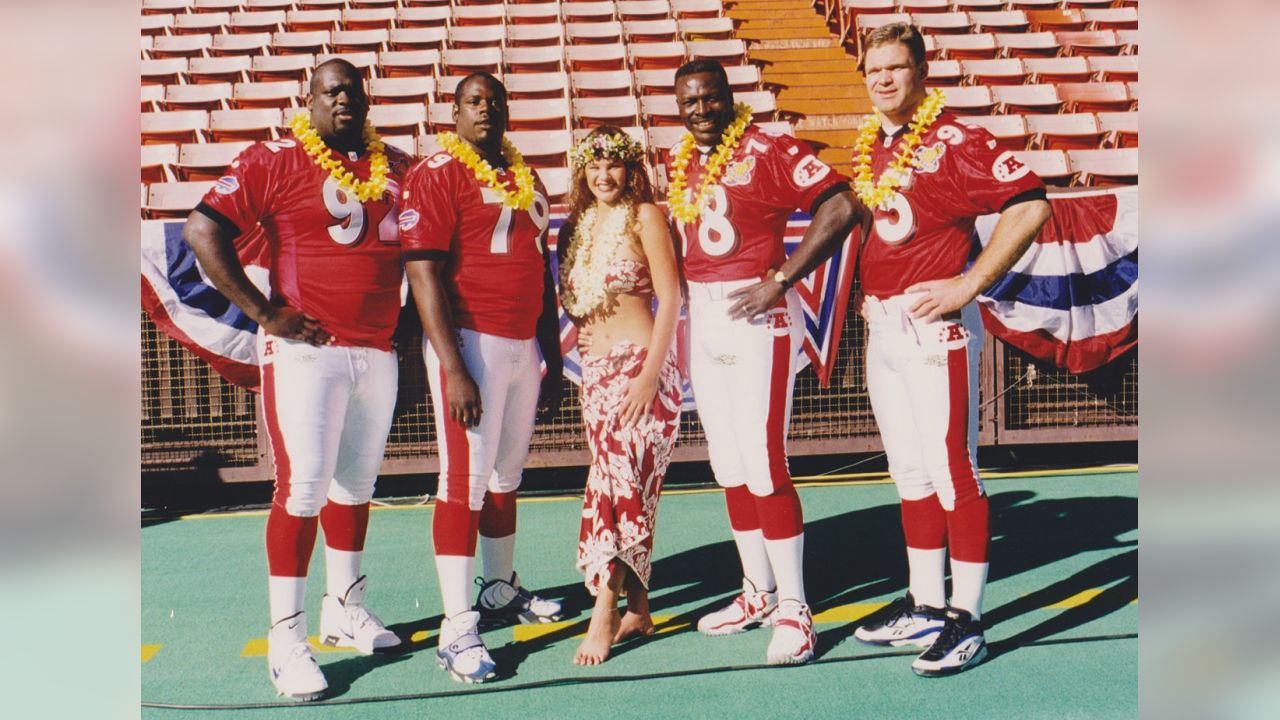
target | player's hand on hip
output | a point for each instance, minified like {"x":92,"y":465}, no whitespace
{"x":463,"y":398}
{"x":638,"y":402}
{"x":549,"y":395}
{"x":584,"y":341}
{"x":940,"y":297}
{"x":293,"y":324}
{"x":755,"y":300}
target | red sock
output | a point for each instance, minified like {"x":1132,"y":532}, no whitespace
{"x":969,"y":530}
{"x":924,"y":523}
{"x":780,"y":514}
{"x":742,"y":509}
{"x":498,"y":516}
{"x":344,"y":525}
{"x":455,"y":528}
{"x":290,"y":540}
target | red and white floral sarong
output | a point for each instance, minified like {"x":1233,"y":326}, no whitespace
{"x":627,"y":464}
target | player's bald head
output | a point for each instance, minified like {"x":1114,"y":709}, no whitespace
{"x":338,"y":104}
{"x":336,"y":67}
{"x":494,"y":85}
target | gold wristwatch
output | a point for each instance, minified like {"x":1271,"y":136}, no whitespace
{"x":781,"y":278}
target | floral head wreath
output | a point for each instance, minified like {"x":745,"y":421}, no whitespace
{"x":605,"y":146}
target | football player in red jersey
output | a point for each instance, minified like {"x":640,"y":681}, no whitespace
{"x":927,"y":176}
{"x":743,"y":183}
{"x":329,"y":372}
{"x":474,"y":227}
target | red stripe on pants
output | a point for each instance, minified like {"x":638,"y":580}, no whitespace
{"x":742,"y":509}
{"x":455,"y":527}
{"x":924,"y":523}
{"x":498,"y":516}
{"x":344,"y":525}
{"x":279,"y":453}
{"x":969,"y":530}
{"x":781,"y":516}
{"x":776,"y":424}
{"x":290,"y":540}
{"x":457,"y":451}
{"x":959,"y":464}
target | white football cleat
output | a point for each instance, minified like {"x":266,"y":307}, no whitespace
{"x":293,"y":668}
{"x":903,"y":623}
{"x":346,"y":623}
{"x":501,"y":602}
{"x":752,"y":607}
{"x":793,"y":640}
{"x":461,"y":650}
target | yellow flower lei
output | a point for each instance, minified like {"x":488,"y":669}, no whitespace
{"x":322,"y":156}
{"x":462,"y":151}
{"x":587,"y":258}
{"x":875,"y":193}
{"x":680,"y":208}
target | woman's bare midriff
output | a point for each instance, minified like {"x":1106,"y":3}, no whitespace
{"x":631,"y":320}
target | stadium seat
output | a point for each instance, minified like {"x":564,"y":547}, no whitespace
{"x":924,"y":7}
{"x":862,"y":23}
{"x":174,"y":199}
{"x":593,"y":33}
{"x":207,"y":161}
{"x":406,"y":143}
{"x":643,"y":9}
{"x":1000,"y":21}
{"x":1121,"y":128}
{"x":404,"y":63}
{"x":162,"y":7}
{"x":464,"y":61}
{"x":589,"y":12}
{"x":646,"y":56}
{"x":447,"y":87}
{"x":152,"y":96}
{"x":200,"y":23}
{"x":306,"y":42}
{"x":543,"y":148}
{"x":163,"y":72}
{"x":533,"y":13}
{"x":218,"y":69}
{"x":242,"y":45}
{"x":320,"y":4}
{"x":1034,"y":4}
{"x":415,"y":89}
{"x":476,"y":36}
{"x":206,"y":96}
{"x":380,"y":18}
{"x":684,"y":9}
{"x":153,"y":25}
{"x":277,"y":94}
{"x":537,"y":86}
{"x":478,"y":15}
{"x":602,"y":83}
{"x":595,"y":57}
{"x":1055,"y":20}
{"x":253,"y":124}
{"x":522,"y":35}
{"x":1051,"y":166}
{"x":538,"y":114}
{"x":1009,"y":130}
{"x":417,"y":38}
{"x":281,"y":67}
{"x":267,"y":4}
{"x":1074,"y":131}
{"x":1090,"y":42}
{"x":717,"y":28}
{"x":398,"y":119}
{"x":973,"y":6}
{"x":439,"y":119}
{"x":764,"y":105}
{"x":370,"y":4}
{"x":1105,"y":168}
{"x":650,"y":31}
{"x":948,"y":23}
{"x":1027,"y":99}
{"x":742,"y":78}
{"x":1117,"y":68}
{"x":944,"y":73}
{"x":144,"y":44}
{"x":214,"y":6}
{"x":534,"y":59}
{"x":308,"y":20}
{"x":348,"y":41}
{"x":659,"y":110}
{"x":591,"y":112}
{"x":1095,"y":97}
{"x":977,"y":46}
{"x":725,"y":52}
{"x":847,"y":12}
{"x":1028,"y":45}
{"x":157,"y":162}
{"x":257,"y":21}
{"x":556,"y":181}
{"x":159,"y":128}
{"x":1128,"y":39}
{"x":970,"y":100}
{"x":422,"y":17}
{"x":1004,"y":71}
{"x":1058,"y":69}
{"x":662,"y":138}
{"x":1111,"y":18}
{"x":1082,"y":4}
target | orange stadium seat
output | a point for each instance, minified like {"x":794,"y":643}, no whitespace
{"x":1056,"y":20}
{"x":415,"y":89}
{"x":402,"y":63}
{"x":970,"y":100}
{"x":1027,"y":99}
{"x":255,"y":21}
{"x":645,"y":56}
{"x":537,"y":86}
{"x":601,"y":83}
{"x":320,"y":4}
{"x":1082,"y":4}
{"x":591,"y":112}
{"x":682,"y":9}
{"x":848,"y":12}
{"x":156,"y":24}
{"x":1115,"y":68}
{"x":650,"y":31}
{"x":522,"y":35}
{"x":593,"y":33}
{"x":534,"y":13}
{"x":399,"y":119}
{"x":163,"y":72}
{"x":972,"y":6}
{"x":364,"y":61}
{"x":174,"y":199}
{"x":347,"y":41}
{"x":1034,"y":4}
{"x":277,"y":94}
{"x":252,"y":124}
{"x":218,"y":69}
{"x":1096,"y":97}
{"x":949,"y":23}
{"x":717,"y":28}
{"x":1052,"y":166}
{"x":306,"y":42}
{"x":1105,"y":168}
{"x":380,"y":18}
{"x":924,"y":7}
{"x":478,"y":15}
{"x":1004,"y":71}
{"x":534,"y":59}
{"x":589,"y":12}
{"x":157,"y":162}
{"x":1111,"y":18}
{"x":543,"y":148}
{"x":417,"y":38}
{"x":1058,"y":69}
{"x":308,"y":20}
{"x":1028,"y":45}
{"x":1000,"y":21}
{"x":595,"y":57}
{"x":152,"y":96}
{"x":725,"y":52}
{"x":268,"y":4}
{"x":1121,"y":128}
{"x":207,"y":161}
{"x":1009,"y":130}
{"x":978,"y":46}
{"x":215,"y":6}
{"x":281,"y":67}
{"x":160,"y":7}
{"x":944,"y":72}
{"x":422,"y":17}
{"x":538,"y":114}
{"x":476,"y":36}
{"x":207,"y":96}
{"x":367,"y":4}
{"x":1090,"y":42}
{"x":643,"y":9}
{"x":464,"y":61}
{"x":160,"y":128}
{"x":1073,"y":131}
{"x":200,"y":24}
{"x":243,"y":45}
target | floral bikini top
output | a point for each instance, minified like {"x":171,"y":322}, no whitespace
{"x":624,"y":275}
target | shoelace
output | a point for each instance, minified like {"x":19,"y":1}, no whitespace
{"x":950,"y":636}
{"x":898,"y":610}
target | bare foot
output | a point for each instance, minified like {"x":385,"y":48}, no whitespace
{"x":600,"y":632}
{"x":633,"y":624}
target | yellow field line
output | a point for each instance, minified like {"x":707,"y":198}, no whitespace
{"x":149,"y":651}
{"x":1083,"y":597}
{"x":841,"y":480}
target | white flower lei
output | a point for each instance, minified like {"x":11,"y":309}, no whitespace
{"x":587,"y":259}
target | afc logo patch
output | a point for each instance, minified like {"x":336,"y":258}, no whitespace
{"x":408,"y":220}
{"x":929,"y":157}
{"x":953,"y":335}
{"x":268,"y":349}
{"x":739,"y":173}
{"x":226,"y":185}
{"x":809,"y":171}
{"x":1008,"y":167}
{"x":777,"y":320}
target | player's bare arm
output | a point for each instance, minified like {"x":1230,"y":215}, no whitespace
{"x":832,"y":222}
{"x":548,"y":334}
{"x":461,"y":393}
{"x":1015,"y":231}
{"x":659,"y":252}
{"x":217,"y":254}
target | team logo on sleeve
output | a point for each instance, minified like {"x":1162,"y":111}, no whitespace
{"x":809,"y":171}
{"x":739,"y":173}
{"x":438,"y":159}
{"x":1008,"y":167}
{"x":929,"y":157}
{"x":226,"y":185}
{"x":408,"y":220}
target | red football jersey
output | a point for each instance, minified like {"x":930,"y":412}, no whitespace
{"x":927,"y":229}
{"x":496,"y":254}
{"x":332,"y":257}
{"x":739,"y":234}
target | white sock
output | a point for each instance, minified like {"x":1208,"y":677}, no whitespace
{"x":341,"y":570}
{"x":285,"y":596}
{"x":968,"y":581}
{"x":755,"y":559}
{"x":497,"y":557}
{"x":455,"y":573}
{"x":928,"y":570}
{"x":787,"y":558}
